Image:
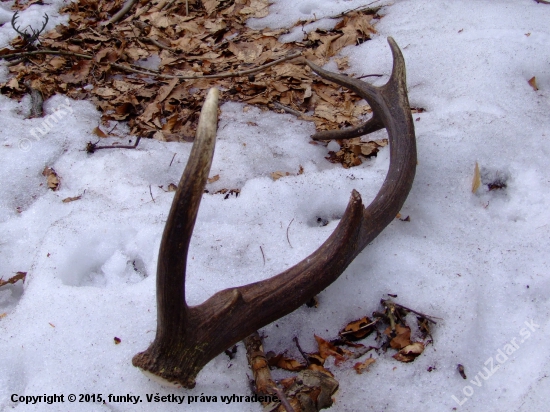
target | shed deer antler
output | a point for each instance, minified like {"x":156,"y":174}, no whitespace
{"x":189,"y":337}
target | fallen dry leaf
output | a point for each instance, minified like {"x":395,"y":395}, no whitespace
{"x":285,"y":362}
{"x":533,"y":83}
{"x":360,"y":367}
{"x":52,"y":178}
{"x":461,"y":371}
{"x":18,"y":276}
{"x":213,"y":179}
{"x":315,"y":359}
{"x":228,"y":192}
{"x":402,"y":337}
{"x":78,"y":73}
{"x":246,"y":52}
{"x":351,"y":149}
{"x":209,"y":38}
{"x":358,"y":329}
{"x":278,"y":175}
{"x":342,"y":63}
{"x":423,"y":326}
{"x":409,"y":353}
{"x":71,"y":199}
{"x":327,"y":349}
{"x":287,"y":382}
{"x":98,"y":132}
{"x":320,"y":368}
{"x":309,"y":391}
{"x":476,"y":181}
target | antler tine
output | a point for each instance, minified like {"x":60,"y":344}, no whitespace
{"x":29,"y":38}
{"x":36,"y":33}
{"x":390,"y":106}
{"x":189,"y":337}
{"x":13,"y":19}
{"x":46,"y":19}
{"x":172,"y":313}
{"x":181,"y":219}
{"x":397,"y":82}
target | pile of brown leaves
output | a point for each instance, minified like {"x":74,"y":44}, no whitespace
{"x":392,"y":332}
{"x":107,"y":64}
{"x":313,"y":386}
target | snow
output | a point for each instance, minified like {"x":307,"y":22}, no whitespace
{"x":479,"y":261}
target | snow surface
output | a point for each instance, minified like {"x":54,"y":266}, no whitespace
{"x":477,"y":261}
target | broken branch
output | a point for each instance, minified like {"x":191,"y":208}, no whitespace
{"x":125,"y":8}
{"x":265,"y":385}
{"x":157,"y":74}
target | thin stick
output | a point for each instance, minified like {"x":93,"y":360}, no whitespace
{"x":262,"y":254}
{"x":172,"y":159}
{"x":15,"y":62}
{"x":258,"y":363}
{"x":370,"y":75}
{"x":304,"y":355}
{"x":168,"y":5}
{"x":360,"y":8}
{"x":159,"y":75}
{"x":54,"y":52}
{"x":284,"y":401}
{"x":151,"y":193}
{"x":117,"y":146}
{"x":344,"y":13}
{"x":287,"y":109}
{"x":157,"y":43}
{"x":349,"y":332}
{"x":210,"y":76}
{"x":127,"y":6}
{"x":260,"y":369}
{"x":244,"y":72}
{"x":288,"y":227}
{"x":430,"y":318}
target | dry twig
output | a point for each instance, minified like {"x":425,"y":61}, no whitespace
{"x":288,"y":109}
{"x":92,"y":147}
{"x":263,"y":256}
{"x":288,"y":227}
{"x":127,"y":6}
{"x":260,"y":369}
{"x":390,"y":304}
{"x":155,"y":73}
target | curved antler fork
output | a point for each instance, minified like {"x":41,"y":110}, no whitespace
{"x":189,"y":337}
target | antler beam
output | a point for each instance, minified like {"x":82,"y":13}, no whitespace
{"x":189,"y":337}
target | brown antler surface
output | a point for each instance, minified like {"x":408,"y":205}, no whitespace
{"x":189,"y":337}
